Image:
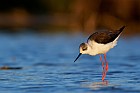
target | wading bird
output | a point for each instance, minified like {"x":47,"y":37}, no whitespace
{"x":100,"y":43}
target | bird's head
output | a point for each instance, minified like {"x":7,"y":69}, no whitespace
{"x":84,"y":49}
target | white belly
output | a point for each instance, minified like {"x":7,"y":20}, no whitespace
{"x":101,"y":48}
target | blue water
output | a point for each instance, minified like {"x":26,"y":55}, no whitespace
{"x":48,"y":67}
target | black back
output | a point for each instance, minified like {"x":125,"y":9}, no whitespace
{"x":105,"y":37}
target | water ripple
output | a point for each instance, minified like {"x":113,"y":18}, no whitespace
{"x":47,"y":66}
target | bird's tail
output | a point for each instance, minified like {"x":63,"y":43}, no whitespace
{"x":121,"y":29}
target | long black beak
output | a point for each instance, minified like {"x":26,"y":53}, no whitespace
{"x":78,"y":56}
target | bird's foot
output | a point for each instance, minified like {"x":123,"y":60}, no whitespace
{"x":103,"y":75}
{"x":105,"y":82}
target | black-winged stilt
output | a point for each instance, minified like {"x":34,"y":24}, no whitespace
{"x":100,"y":43}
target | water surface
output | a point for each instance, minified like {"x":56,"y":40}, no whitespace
{"x":47,"y":65}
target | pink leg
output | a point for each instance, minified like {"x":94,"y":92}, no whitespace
{"x":106,"y":63}
{"x":102,"y":61}
{"x":104,"y":71}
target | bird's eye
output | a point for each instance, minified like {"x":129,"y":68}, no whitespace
{"x":84,"y":48}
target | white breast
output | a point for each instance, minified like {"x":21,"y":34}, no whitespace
{"x":101,"y":48}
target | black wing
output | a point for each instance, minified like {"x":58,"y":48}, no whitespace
{"x":105,"y":37}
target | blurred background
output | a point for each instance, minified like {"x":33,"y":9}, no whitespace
{"x":39,"y":40}
{"x":69,"y":15}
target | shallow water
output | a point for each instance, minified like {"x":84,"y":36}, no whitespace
{"x":47,"y":65}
